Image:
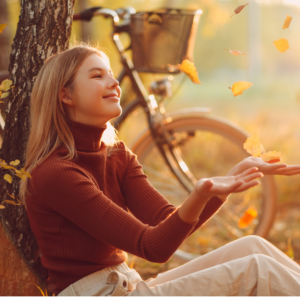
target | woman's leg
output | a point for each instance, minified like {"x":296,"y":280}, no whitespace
{"x":253,"y":275}
{"x":237,"y":249}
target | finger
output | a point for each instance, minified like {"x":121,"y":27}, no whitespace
{"x":246,"y":186}
{"x":250,"y":177}
{"x":248,"y":171}
{"x":290,"y":173}
{"x":206,"y":186}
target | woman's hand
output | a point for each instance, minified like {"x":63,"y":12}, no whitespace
{"x":264,"y":167}
{"x":215,"y":186}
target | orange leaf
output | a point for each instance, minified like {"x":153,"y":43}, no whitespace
{"x":248,"y":217}
{"x":271,"y":156}
{"x":239,"y":9}
{"x":287,"y":22}
{"x":235,"y":52}
{"x":253,"y":145}
{"x":2,"y":26}
{"x":240,"y":86}
{"x":282,"y":45}
{"x":190,"y":70}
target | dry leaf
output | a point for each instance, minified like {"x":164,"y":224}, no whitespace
{"x":11,"y":195}
{"x":8,"y":178}
{"x":248,"y":217}
{"x":12,"y":202}
{"x":253,"y":145}
{"x":282,"y":45}
{"x":5,"y":85}
{"x":235,"y":52}
{"x":2,"y":26}
{"x":240,"y":86}
{"x":271,"y":156}
{"x":290,"y":250}
{"x":14,"y":162}
{"x":4,"y":95}
{"x":190,"y":70}
{"x":287,"y":22}
{"x":239,"y":9}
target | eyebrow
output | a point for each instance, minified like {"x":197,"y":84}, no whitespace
{"x":98,"y":69}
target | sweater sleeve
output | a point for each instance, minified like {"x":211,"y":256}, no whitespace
{"x":148,"y":204}
{"x":66,"y":189}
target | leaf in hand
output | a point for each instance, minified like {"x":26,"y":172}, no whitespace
{"x":287,"y":22}
{"x":2,"y":26}
{"x":248,"y":217}
{"x":271,"y":156}
{"x":240,"y":86}
{"x":282,"y":45}
{"x":253,"y":145}
{"x":235,"y":52}
{"x":239,"y":9}
{"x":190,"y":70}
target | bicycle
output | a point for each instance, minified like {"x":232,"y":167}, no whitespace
{"x":180,"y":147}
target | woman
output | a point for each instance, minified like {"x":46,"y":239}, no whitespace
{"x":84,"y":183}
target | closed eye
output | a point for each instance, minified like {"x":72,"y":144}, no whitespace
{"x":98,"y":76}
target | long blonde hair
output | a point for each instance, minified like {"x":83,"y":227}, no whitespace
{"x":49,"y":124}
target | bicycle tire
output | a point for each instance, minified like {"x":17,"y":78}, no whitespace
{"x":195,"y":120}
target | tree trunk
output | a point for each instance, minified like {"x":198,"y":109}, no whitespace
{"x":44,"y":28}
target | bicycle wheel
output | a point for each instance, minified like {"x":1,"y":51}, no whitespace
{"x":209,"y":146}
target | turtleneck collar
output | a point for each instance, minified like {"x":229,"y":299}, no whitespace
{"x":87,"y":137}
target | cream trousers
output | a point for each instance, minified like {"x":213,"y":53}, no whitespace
{"x":249,"y":266}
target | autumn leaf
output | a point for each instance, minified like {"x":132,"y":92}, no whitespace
{"x":188,"y":68}
{"x":235,"y":52}
{"x":253,"y":145}
{"x":282,"y":45}
{"x":290,"y":250}
{"x":239,"y":9}
{"x":14,"y":163}
{"x":4,"y":95}
{"x":248,"y":217}
{"x":2,"y":26}
{"x":287,"y":22}
{"x":11,"y":195}
{"x":5,"y":85}
{"x":8,"y":178}
{"x":240,"y":86}
{"x":2,"y":206}
{"x":271,"y":156}
{"x":12,"y":202}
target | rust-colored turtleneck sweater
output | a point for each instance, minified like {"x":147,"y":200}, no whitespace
{"x":78,"y":211}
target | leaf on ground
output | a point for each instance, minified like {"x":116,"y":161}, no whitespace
{"x":190,"y":70}
{"x":240,"y":86}
{"x":8,"y":178}
{"x":2,"y":206}
{"x":287,"y":22}
{"x":2,"y":26}
{"x":239,"y":9}
{"x":5,"y":85}
{"x":235,"y":52}
{"x":253,"y":145}
{"x":271,"y":156}
{"x":282,"y":45}
{"x":249,"y":215}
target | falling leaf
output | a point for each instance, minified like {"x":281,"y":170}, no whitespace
{"x":287,"y":22}
{"x":235,"y":52}
{"x":248,"y":217}
{"x":2,"y":26}
{"x":271,"y":156}
{"x":188,"y":68}
{"x":2,"y":206}
{"x":8,"y":178}
{"x":5,"y":85}
{"x":282,"y":45}
{"x":12,"y":202}
{"x":253,"y":145}
{"x":14,"y":163}
{"x":155,"y":18}
{"x":240,"y":86}
{"x":239,"y":9}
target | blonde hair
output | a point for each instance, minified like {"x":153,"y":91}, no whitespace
{"x":49,"y":124}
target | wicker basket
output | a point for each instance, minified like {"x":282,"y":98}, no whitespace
{"x":163,"y":37}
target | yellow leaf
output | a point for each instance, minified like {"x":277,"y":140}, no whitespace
{"x":4,"y":95}
{"x":22,"y":176}
{"x":8,"y":178}
{"x":235,"y":52}
{"x":240,"y":86}
{"x":253,"y":145}
{"x":5,"y":85}
{"x":2,"y":206}
{"x":282,"y":45}
{"x":248,"y":217}
{"x":2,"y":26}
{"x":190,"y":70}
{"x":11,"y":195}
{"x":14,"y":162}
{"x":287,"y":22}
{"x":12,"y":202}
{"x":271,"y":156}
{"x":239,"y":9}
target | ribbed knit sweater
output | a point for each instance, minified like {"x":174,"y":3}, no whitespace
{"x":79,"y":211}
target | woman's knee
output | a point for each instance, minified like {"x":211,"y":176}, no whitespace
{"x":253,"y":240}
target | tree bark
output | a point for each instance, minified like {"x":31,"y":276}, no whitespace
{"x":44,"y":28}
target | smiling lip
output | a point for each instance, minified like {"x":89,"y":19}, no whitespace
{"x":112,"y":97}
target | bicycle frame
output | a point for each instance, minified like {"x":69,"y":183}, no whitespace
{"x":162,"y":137}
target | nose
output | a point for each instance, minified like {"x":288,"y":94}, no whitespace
{"x":114,"y":83}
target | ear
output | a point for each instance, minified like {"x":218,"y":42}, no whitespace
{"x":65,"y":95}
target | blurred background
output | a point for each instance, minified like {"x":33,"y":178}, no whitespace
{"x":271,"y":107}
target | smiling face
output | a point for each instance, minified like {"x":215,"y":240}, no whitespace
{"x":94,"y":96}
